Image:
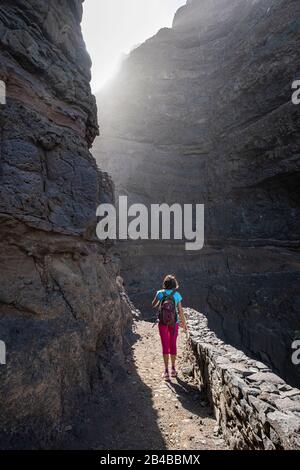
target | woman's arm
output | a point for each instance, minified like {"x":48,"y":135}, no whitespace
{"x":181,"y":316}
{"x":155,"y":302}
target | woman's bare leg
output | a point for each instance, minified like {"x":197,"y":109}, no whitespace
{"x":166,"y":361}
{"x":173,"y":361}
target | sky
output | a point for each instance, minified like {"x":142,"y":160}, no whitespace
{"x":111,"y":28}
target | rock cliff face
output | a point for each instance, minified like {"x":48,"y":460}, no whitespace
{"x":202,"y":113}
{"x":61,"y":315}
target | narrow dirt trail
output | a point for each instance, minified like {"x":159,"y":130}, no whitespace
{"x":184,"y":420}
{"x":140,"y":410}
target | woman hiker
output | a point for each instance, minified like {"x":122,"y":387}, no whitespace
{"x":170,"y":317}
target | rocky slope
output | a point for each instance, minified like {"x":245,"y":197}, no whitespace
{"x":202,"y":113}
{"x":61,"y":315}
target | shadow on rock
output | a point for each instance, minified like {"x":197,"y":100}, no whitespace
{"x":121,"y":416}
{"x":190,"y":397}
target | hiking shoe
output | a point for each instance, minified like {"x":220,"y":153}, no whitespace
{"x":165,"y":375}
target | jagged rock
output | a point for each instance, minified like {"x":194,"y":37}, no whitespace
{"x":260,"y":405}
{"x":202,"y":113}
{"x":287,"y":427}
{"x":294,"y":394}
{"x":61,"y":315}
{"x":286,"y":404}
{"x":265,"y":377}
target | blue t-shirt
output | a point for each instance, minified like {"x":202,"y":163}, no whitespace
{"x":177,"y":297}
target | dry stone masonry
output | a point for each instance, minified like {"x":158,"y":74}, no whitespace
{"x":255,"y":409}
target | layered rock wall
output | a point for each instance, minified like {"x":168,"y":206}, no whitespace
{"x":202,"y":113}
{"x":61,"y":315}
{"x":255,"y":409}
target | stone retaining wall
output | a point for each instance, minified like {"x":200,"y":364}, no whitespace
{"x":255,"y":409}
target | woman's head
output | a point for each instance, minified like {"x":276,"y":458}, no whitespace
{"x":170,"y":282}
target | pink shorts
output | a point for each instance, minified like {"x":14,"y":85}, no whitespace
{"x":168,"y":336}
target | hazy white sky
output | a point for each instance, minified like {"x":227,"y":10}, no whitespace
{"x":112,"y":27}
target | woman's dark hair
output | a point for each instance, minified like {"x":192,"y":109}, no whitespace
{"x":170,"y":282}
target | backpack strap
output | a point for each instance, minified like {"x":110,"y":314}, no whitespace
{"x":166,"y":297}
{"x":169,"y":296}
